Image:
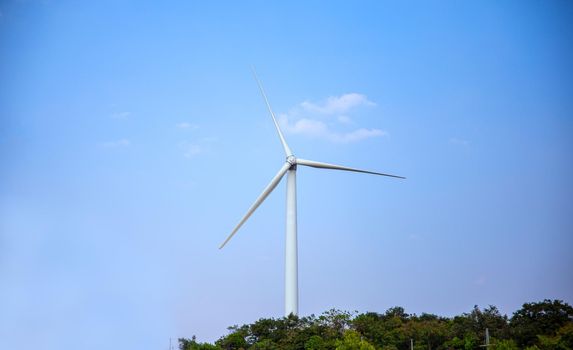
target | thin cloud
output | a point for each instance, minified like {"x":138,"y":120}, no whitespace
{"x":328,"y":119}
{"x":209,"y":139}
{"x":319,"y":129}
{"x":459,"y":142}
{"x":358,"y":135}
{"x":186,"y":125}
{"x":305,"y":126}
{"x":338,"y":104}
{"x":120,"y":115}
{"x":201,"y":146}
{"x":344,"y":119}
{"x":191,"y":150}
{"x":116,"y":144}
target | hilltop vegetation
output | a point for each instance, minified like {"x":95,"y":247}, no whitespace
{"x":536,"y":326}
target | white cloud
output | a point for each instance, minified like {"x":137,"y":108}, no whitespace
{"x":120,"y":115}
{"x":209,"y":139}
{"x":304,"y":126}
{"x":337,"y":104}
{"x":185,"y":125}
{"x":116,"y":144}
{"x":459,"y":142}
{"x":190,"y":149}
{"x":325,"y":119}
{"x":319,"y":129}
{"x":196,"y":147}
{"x":359,"y":135}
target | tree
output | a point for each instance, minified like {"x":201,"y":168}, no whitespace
{"x":315,"y":342}
{"x":387,"y":331}
{"x":265,"y":344}
{"x":335,"y":320}
{"x":474,"y":324}
{"x":547,"y":325}
{"x":562,"y":340}
{"x":353,"y":341}
{"x":432,"y":333}
{"x":543,"y":318}
{"x":236,"y":340}
{"x":370,"y":326}
{"x":505,"y":345}
{"x":192,"y":344}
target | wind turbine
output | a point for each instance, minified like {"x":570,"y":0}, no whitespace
{"x":289,"y":168}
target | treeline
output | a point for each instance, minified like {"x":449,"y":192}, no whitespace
{"x":536,"y":326}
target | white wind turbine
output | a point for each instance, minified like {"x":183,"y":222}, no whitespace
{"x":289,"y":168}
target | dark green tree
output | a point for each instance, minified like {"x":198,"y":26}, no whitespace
{"x":471,"y":326}
{"x":235,"y":340}
{"x":543,"y":318}
{"x":192,"y":344}
{"x":547,"y":325}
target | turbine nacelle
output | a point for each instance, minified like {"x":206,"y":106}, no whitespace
{"x":291,"y":160}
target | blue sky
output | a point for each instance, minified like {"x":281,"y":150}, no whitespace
{"x":133,"y":138}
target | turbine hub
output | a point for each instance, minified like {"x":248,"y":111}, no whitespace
{"x":291,"y":160}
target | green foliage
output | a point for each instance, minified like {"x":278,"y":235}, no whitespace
{"x":454,"y":343}
{"x":265,"y":344}
{"x":353,"y":341}
{"x":315,"y":342}
{"x":562,"y":340}
{"x":186,"y":344}
{"x":506,"y":344}
{"x":235,"y":340}
{"x":540,"y":319}
{"x":473,"y":325}
{"x":566,"y":334}
{"x":547,"y":325}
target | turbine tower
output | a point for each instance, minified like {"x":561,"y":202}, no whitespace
{"x":289,"y":168}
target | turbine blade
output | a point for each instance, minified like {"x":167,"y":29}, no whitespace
{"x":270,"y":187}
{"x":288,"y":152}
{"x":312,"y":163}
